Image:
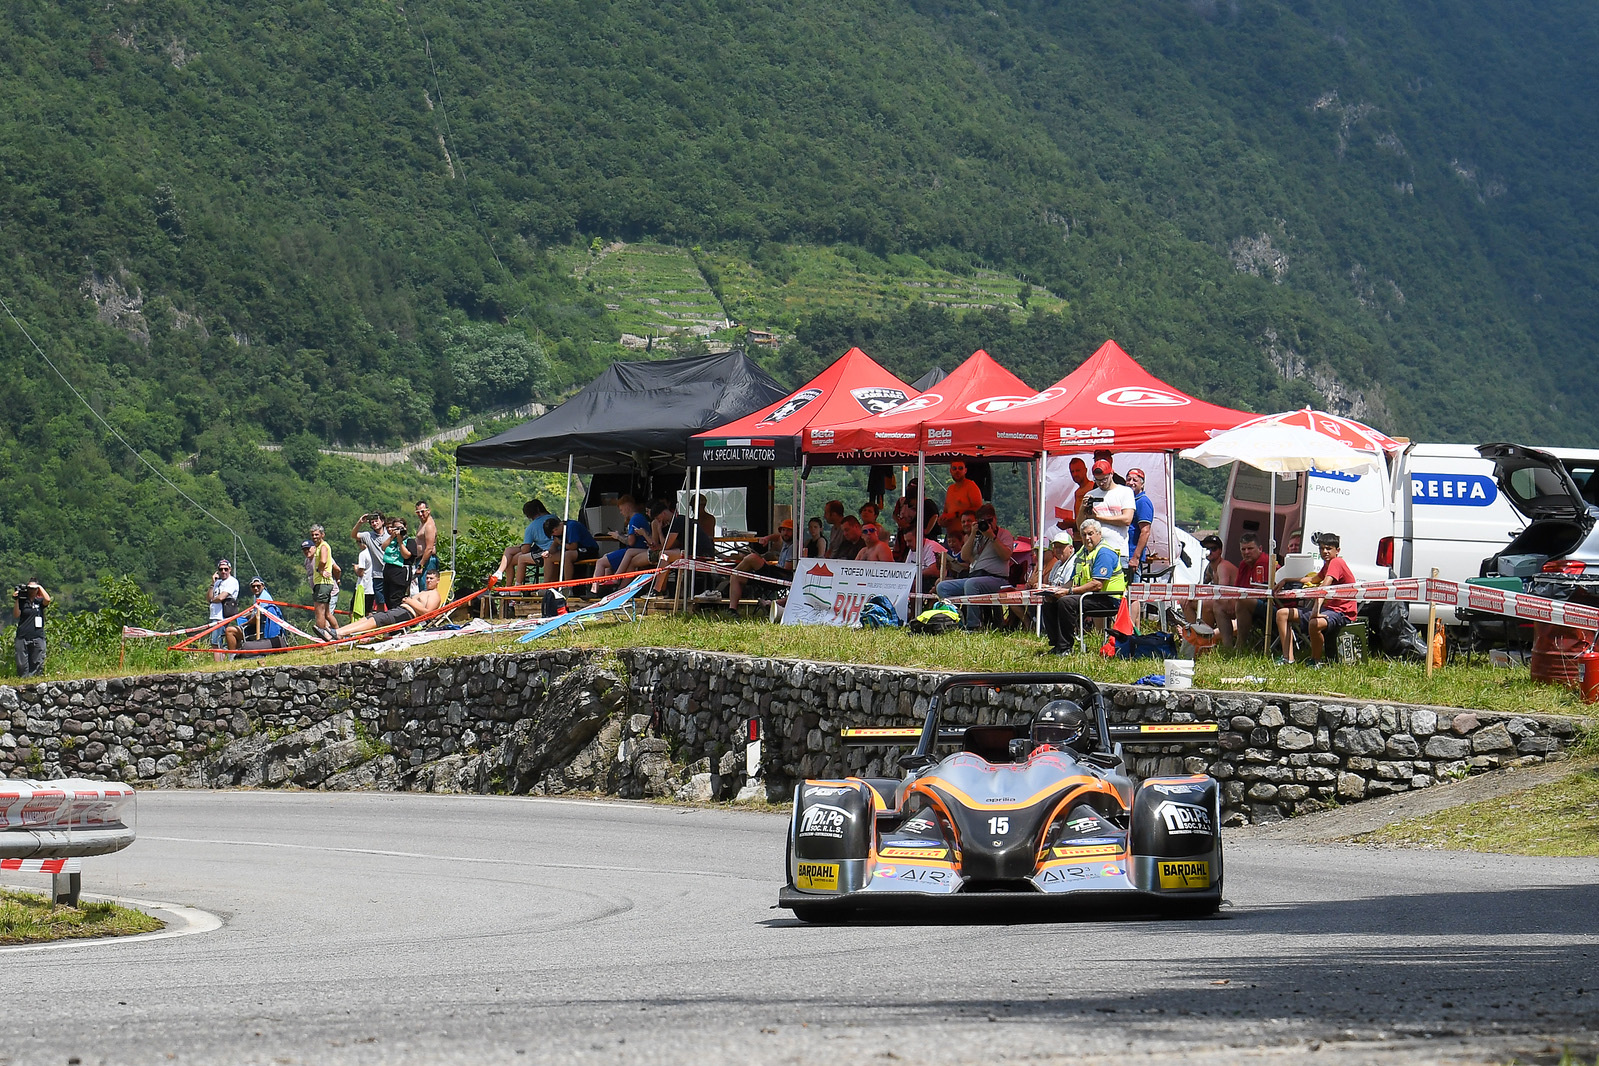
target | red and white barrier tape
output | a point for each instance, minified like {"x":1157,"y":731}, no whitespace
{"x":42,"y":866}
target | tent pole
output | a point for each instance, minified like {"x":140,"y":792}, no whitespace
{"x":801,"y":527}
{"x":1271,"y":561}
{"x":455,"y":514}
{"x":1038,"y":575}
{"x":694,"y":539}
{"x":566,"y":514}
{"x":921,"y":524}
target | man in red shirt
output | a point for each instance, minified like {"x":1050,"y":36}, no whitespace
{"x":962,"y":495}
{"x":1332,"y":614}
{"x":1252,"y":574}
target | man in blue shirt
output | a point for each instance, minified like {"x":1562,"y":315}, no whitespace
{"x":1143,"y":522}
{"x":567,"y":547}
{"x":634,"y":536}
{"x":534,"y":543}
{"x":258,"y":629}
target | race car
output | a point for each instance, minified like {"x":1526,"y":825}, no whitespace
{"x":1028,"y":816}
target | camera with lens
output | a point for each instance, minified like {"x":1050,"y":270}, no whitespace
{"x":983,"y":525}
{"x":23,"y":592}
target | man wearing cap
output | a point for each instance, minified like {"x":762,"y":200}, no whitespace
{"x":1325,"y":620}
{"x":1113,"y":505}
{"x":1218,"y":614}
{"x":962,"y":495}
{"x":756,"y":562}
{"x":259,"y":629}
{"x":1092,"y":579}
{"x":224,"y":599}
{"x":1143,"y":520}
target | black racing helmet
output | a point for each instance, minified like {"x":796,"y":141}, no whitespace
{"x":1062,"y":724}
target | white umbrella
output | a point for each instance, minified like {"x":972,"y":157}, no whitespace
{"x":1278,"y":447}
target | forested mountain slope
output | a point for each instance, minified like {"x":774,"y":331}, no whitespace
{"x":231,"y":223}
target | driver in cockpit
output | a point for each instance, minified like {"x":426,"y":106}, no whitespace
{"x":1062,"y":725}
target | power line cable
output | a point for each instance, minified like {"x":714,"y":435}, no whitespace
{"x":238,"y":541}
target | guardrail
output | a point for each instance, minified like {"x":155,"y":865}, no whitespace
{"x":48,"y":826}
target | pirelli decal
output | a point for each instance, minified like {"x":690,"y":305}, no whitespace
{"x":1092,"y":851}
{"x":1184,"y":727}
{"x":914,"y":853}
{"x":881,"y":733}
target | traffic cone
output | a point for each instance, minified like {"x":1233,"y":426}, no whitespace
{"x":1124,"y":620}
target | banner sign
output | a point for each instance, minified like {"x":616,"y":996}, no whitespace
{"x":831,"y":592}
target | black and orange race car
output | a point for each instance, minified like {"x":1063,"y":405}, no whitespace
{"x":1032,"y":815}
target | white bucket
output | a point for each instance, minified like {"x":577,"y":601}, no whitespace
{"x":1179,"y":673}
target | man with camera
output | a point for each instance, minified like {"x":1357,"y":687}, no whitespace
{"x":31,"y":600}
{"x":224,"y":600}
{"x":987,"y":555}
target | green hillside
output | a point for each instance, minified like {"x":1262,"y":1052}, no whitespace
{"x":238,"y":224}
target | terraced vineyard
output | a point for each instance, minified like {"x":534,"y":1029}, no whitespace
{"x":787,"y":282}
{"x":656,"y":290}
{"x":651,"y":290}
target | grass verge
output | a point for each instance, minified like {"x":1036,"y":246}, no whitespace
{"x":1474,"y":685}
{"x":29,"y":918}
{"x":1559,"y":818}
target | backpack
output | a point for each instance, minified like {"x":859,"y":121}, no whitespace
{"x":879,"y":613}
{"x":553,"y":604}
{"x":941,"y":617}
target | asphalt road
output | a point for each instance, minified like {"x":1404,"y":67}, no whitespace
{"x":367,"y":928}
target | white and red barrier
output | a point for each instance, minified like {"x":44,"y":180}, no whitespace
{"x":1438,"y":591}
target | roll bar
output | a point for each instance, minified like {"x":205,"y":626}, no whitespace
{"x":929,"y":738}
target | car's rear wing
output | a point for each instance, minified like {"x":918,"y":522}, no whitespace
{"x":1162,"y":733}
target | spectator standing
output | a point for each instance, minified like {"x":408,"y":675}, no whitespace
{"x":324,"y":580}
{"x":398,"y":554}
{"x":427,"y":543}
{"x":373,"y":540}
{"x":1143,"y":520}
{"x":1085,"y":485}
{"x":363,"y":583}
{"x":31,"y":600}
{"x":1324,"y":621}
{"x":834,"y":513}
{"x":224,"y":599}
{"x":962,"y":494}
{"x":1113,"y":506}
{"x":987,"y":555}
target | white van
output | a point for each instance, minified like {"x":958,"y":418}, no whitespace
{"x":1432,"y":505}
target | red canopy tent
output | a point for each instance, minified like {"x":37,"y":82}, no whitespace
{"x":978,"y":386}
{"x":1108,"y":402}
{"x":853,"y":387}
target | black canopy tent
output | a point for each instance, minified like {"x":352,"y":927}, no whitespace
{"x":630,"y":426}
{"x":634,"y":416}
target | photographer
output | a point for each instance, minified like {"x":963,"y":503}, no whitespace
{"x":31,"y":601}
{"x":224,"y":599}
{"x":988,"y":550}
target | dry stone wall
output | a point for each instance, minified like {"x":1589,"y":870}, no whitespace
{"x":653,"y":722}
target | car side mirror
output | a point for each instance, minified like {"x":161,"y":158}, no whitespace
{"x":916,"y":763}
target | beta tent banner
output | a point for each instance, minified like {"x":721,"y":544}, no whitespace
{"x":1109,"y":402}
{"x":855,"y":385}
{"x":979,"y":386}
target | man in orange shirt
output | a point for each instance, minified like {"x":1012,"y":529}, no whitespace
{"x":962,"y":495}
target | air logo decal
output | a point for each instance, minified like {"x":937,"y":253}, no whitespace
{"x":876,"y":399}
{"x":790,"y":406}
{"x":1141,"y":396}
{"x":924,"y":874}
{"x":824,"y":820}
{"x":1184,"y":819}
